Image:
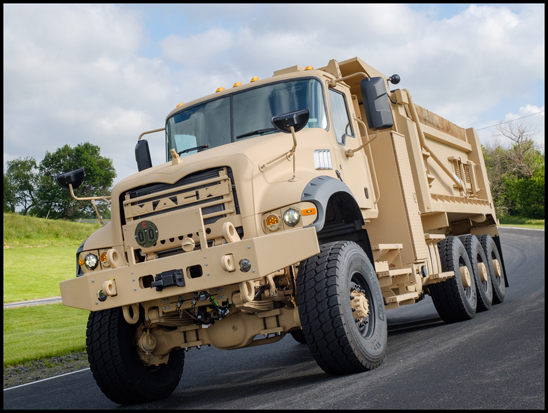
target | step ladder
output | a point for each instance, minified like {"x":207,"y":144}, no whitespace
{"x":397,"y":282}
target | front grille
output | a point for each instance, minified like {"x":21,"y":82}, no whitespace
{"x":212,"y":189}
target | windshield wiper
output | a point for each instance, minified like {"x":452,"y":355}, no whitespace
{"x":256,"y":132}
{"x":193,"y":149}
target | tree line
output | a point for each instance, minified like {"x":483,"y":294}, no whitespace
{"x":31,"y":189}
{"x":515,"y":172}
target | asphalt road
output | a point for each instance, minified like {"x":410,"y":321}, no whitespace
{"x":494,"y":361}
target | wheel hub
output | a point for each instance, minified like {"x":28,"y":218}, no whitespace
{"x":482,"y":272}
{"x":359,"y":304}
{"x":496,"y":267}
{"x":465,"y":277}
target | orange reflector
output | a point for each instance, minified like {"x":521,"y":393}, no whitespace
{"x":255,"y":79}
{"x":104,"y":257}
{"x":271,"y":220}
{"x":180,"y":104}
{"x":220,"y":89}
{"x":308,"y":68}
{"x":309,"y":211}
{"x":81,"y":262}
{"x":237,"y":84}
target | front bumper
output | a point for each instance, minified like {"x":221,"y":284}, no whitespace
{"x":267,"y":254}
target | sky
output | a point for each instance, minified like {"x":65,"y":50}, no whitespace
{"x":105,"y":73}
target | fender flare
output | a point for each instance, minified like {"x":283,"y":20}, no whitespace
{"x":320,"y":191}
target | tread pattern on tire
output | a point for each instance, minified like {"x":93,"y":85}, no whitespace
{"x":321,"y":313}
{"x":447,"y":295}
{"x":473,"y":247}
{"x":109,"y":365}
{"x":488,"y":245}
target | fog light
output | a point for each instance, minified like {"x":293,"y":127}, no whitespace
{"x":101,"y":296}
{"x":245,"y":265}
{"x":91,"y":261}
{"x":291,"y":217}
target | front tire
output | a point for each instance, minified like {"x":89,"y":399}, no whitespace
{"x":454,"y":300}
{"x":298,"y":336}
{"x":339,"y":342}
{"x":116,"y":366}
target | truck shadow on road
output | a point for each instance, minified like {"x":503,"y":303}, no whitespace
{"x":412,"y":326}
{"x":252,"y":381}
{"x":256,"y":379}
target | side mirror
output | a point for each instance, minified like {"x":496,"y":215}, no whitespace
{"x":73,"y":177}
{"x":142,"y":155}
{"x":375,"y":103}
{"x":297,"y":119}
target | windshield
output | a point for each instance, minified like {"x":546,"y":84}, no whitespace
{"x":243,"y":115}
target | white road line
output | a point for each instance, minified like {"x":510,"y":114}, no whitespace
{"x":49,"y":378}
{"x":526,"y":229}
{"x":38,"y":301}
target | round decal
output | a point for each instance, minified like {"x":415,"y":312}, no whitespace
{"x":146,"y":234}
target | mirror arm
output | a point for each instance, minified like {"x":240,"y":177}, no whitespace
{"x":287,"y":155}
{"x":333,"y":82}
{"x":150,"y":131}
{"x":92,"y":199}
{"x":97,"y":212}
{"x":292,"y":151}
{"x":350,"y":152}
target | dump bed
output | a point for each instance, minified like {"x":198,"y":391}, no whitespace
{"x":430,"y":172}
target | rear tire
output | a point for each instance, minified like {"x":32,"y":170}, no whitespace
{"x":340,"y":343}
{"x":454,"y":301}
{"x":494,"y":267}
{"x":478,"y":261}
{"x":116,"y":366}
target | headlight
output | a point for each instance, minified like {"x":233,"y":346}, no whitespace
{"x":291,"y":217}
{"x":91,"y":261}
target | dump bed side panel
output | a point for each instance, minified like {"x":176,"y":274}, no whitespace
{"x":448,"y":169}
{"x":399,"y":217}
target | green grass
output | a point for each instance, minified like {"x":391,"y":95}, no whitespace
{"x":521,"y":222}
{"x":33,"y":333}
{"x":31,"y":273}
{"x":25,"y":231}
{"x":44,"y":331}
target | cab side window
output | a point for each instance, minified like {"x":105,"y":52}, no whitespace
{"x":339,"y":112}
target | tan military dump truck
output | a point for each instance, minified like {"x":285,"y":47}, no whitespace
{"x":307,"y":203}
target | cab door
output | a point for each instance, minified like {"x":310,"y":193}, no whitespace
{"x":354,"y":170}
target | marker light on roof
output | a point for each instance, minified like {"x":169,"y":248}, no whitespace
{"x":255,"y":79}
{"x":180,"y":104}
{"x":308,"y":68}
{"x":220,"y":89}
{"x":237,"y":84}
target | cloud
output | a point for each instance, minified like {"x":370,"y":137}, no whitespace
{"x":197,"y":50}
{"x":76,"y":73}
{"x":72,"y":73}
{"x":531,"y":116}
{"x":460,"y":66}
